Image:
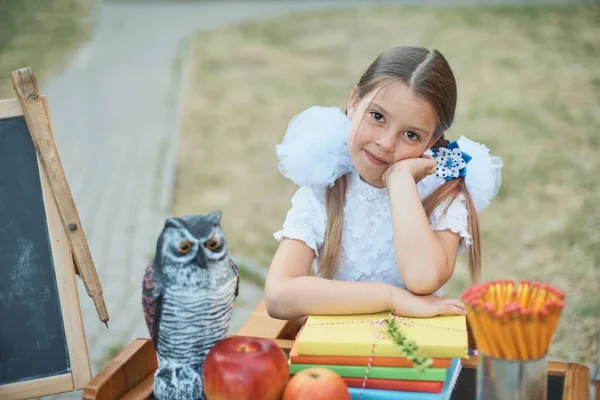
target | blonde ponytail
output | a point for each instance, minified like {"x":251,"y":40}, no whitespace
{"x":332,"y":248}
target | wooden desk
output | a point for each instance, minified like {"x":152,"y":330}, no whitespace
{"x":130,"y":375}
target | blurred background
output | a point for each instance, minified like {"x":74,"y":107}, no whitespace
{"x":175,"y":107}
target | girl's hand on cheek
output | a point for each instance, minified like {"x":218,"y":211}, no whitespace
{"x":418,"y":168}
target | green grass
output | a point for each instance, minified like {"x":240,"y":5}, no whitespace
{"x":528,"y":81}
{"x":40,"y":34}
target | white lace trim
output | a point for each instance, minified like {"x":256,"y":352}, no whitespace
{"x":456,"y":219}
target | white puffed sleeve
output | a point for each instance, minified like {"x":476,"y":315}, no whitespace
{"x":307,"y":219}
{"x":456,"y":219}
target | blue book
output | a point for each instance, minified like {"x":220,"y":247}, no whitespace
{"x":379,"y":394}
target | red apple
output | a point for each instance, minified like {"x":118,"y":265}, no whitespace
{"x":245,"y":368}
{"x":316,"y":384}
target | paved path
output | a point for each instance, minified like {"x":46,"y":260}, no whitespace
{"x":114,"y":114}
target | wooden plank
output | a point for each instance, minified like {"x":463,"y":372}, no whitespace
{"x":125,"y":372}
{"x":577,"y":382}
{"x":67,"y":290}
{"x":261,"y":324}
{"x":557,"y":368}
{"x":35,"y":114}
{"x":39,"y":387}
{"x":10,"y":108}
{"x":46,"y":106}
{"x":284,"y":344}
{"x":143,"y":391}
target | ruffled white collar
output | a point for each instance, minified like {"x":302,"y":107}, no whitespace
{"x":375,"y":195}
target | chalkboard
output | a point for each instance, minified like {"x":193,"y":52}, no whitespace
{"x":42,"y":341}
{"x":32,"y":334}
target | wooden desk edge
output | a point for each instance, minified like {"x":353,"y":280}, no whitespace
{"x":259,"y":324}
{"x":577,"y":382}
{"x":134,"y":365}
{"x":576,"y":385}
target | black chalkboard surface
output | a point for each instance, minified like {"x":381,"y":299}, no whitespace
{"x":33,"y":343}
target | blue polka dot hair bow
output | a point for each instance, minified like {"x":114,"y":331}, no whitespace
{"x":451,"y":161}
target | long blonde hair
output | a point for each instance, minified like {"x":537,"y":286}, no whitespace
{"x":429,"y":76}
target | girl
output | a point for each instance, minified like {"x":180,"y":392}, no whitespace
{"x":385,"y":203}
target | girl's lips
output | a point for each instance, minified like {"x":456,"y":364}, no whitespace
{"x":374,"y":159}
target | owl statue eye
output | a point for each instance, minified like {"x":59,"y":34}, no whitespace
{"x":212,"y":243}
{"x":185,"y":246}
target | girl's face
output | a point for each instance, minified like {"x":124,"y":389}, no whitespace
{"x":393,"y":126}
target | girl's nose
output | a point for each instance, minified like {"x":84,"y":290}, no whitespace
{"x":387,"y":142}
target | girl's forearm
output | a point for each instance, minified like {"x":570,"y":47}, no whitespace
{"x":309,"y":295}
{"x":420,"y":257}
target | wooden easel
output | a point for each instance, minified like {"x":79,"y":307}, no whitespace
{"x":68,"y":247}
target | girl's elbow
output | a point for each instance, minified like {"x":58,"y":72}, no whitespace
{"x":275,"y":303}
{"x":423,"y":286}
{"x":420,"y":288}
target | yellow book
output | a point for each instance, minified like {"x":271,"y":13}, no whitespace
{"x":354,"y":335}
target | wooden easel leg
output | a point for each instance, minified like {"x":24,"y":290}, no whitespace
{"x":75,"y":266}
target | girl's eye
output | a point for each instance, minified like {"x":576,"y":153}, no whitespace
{"x":185,"y":246}
{"x":377,"y":116}
{"x":411,"y":136}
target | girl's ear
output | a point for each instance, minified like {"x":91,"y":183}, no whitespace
{"x":352,"y":102}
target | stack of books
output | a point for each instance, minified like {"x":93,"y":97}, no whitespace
{"x":360,"y":350}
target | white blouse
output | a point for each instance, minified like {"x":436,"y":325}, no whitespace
{"x":368,"y":252}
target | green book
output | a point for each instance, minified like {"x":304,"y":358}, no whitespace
{"x":359,"y":371}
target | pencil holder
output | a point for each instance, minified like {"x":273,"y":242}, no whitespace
{"x":499,"y":379}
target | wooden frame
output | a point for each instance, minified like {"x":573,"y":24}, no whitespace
{"x":130,"y":375}
{"x":62,"y":257}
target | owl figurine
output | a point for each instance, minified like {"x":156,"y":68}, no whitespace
{"x":187,"y":298}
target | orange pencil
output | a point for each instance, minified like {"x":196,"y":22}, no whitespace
{"x":517,"y":332}
{"x":544,"y":291}
{"x":503,"y":328}
{"x":543,"y":342}
{"x":520,"y":291}
{"x":476,"y":321}
{"x":492,"y":332}
{"x":502,"y":333}
{"x":509,"y":290}
{"x":557,"y":307}
{"x":525,"y":294}
{"x":491,"y":294}
{"x":538,"y":302}
{"x":534,"y":289}
{"x":514,"y":295}
{"x":559,"y":293}
{"x":528,"y":329}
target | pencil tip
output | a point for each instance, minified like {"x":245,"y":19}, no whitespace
{"x":106,"y":323}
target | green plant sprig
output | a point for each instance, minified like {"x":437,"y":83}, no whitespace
{"x":407,"y":346}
